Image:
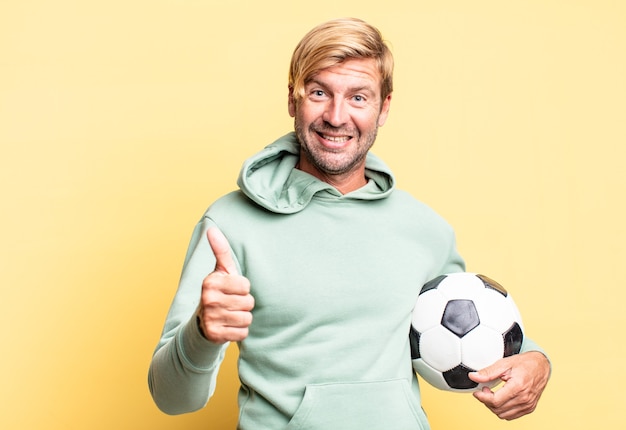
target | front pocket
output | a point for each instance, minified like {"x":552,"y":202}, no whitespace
{"x":380,"y":405}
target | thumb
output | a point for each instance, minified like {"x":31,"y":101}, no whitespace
{"x":221,"y":249}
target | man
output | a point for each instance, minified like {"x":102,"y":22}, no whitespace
{"x":314,"y":266}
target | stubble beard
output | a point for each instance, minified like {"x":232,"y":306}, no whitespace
{"x":326,"y":160}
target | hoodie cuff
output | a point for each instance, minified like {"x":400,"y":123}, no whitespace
{"x":529,"y":345}
{"x":198,"y":353}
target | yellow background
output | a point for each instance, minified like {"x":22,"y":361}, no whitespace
{"x":120,"y":121}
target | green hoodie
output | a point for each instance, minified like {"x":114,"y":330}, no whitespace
{"x":334,"y":278}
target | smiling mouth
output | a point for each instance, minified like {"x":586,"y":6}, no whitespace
{"x":334,"y":139}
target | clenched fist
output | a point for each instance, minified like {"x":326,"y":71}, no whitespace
{"x":225,"y":306}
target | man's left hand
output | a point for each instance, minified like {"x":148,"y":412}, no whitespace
{"x":525,"y":376}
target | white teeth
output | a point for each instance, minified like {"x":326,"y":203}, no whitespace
{"x":337,"y":139}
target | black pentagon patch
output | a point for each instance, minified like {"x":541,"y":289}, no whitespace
{"x":414,"y":340}
{"x":431,"y":285}
{"x":460,"y":317}
{"x":457,"y":378}
{"x":513,"y":339}
{"x":492,"y":285}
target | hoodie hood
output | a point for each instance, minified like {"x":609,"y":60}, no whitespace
{"x":271,"y":180}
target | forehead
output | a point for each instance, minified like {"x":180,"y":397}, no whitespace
{"x":349,"y":74}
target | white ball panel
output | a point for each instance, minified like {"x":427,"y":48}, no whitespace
{"x":494,"y":310}
{"x":482,"y":347}
{"x":461,"y":286}
{"x":515,"y":311}
{"x":428,"y":310}
{"x":430,"y":375}
{"x":440,"y":348}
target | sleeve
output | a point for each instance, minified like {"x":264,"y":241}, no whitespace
{"x":453,"y":262}
{"x":184,"y":367}
{"x":530,"y":345}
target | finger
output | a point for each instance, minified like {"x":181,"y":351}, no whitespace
{"x":507,"y":403}
{"x":233,"y":319}
{"x":239,"y":319}
{"x":221,"y":249}
{"x":226,"y":326}
{"x":498,"y":370}
{"x":489,"y":399}
{"x":229,"y":292}
{"x":237,"y":299}
{"x":485,"y":396}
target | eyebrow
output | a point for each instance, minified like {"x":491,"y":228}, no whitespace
{"x":363,"y":88}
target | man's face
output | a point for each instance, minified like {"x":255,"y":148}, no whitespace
{"x":337,"y":119}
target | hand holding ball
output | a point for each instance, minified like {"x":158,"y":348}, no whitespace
{"x":462,"y":322}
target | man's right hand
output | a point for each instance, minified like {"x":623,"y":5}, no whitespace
{"x":226,"y":303}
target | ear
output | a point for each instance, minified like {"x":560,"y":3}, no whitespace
{"x":291,"y":103}
{"x":384,"y":111}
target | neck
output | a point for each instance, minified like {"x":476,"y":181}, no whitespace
{"x":344,"y":183}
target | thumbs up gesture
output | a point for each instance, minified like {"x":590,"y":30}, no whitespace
{"x":226,"y":303}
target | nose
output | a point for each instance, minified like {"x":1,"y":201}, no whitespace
{"x":336,"y":112}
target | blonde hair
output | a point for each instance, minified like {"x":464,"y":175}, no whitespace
{"x":332,"y":43}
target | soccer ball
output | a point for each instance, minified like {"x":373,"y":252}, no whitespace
{"x":462,"y":322}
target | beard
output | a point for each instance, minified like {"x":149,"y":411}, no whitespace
{"x":327,"y":160}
